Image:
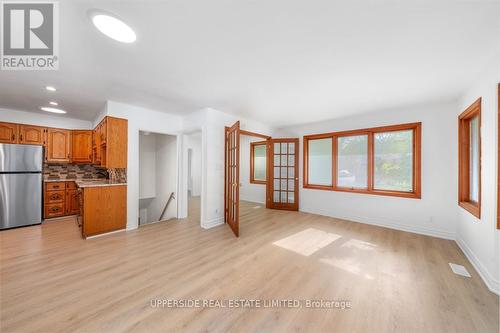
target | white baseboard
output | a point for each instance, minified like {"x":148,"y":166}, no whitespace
{"x":387,"y":224}
{"x":492,"y":284}
{"x":212,"y":223}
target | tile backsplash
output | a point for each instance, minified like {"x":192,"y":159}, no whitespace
{"x":73,"y":171}
{"x":118,"y":175}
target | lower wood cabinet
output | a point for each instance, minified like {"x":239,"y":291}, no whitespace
{"x":60,"y":199}
{"x":104,"y":209}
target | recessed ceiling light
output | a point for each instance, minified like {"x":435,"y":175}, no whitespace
{"x":54,"y":103}
{"x":53,"y":110}
{"x":112,"y":26}
{"x":50,"y":88}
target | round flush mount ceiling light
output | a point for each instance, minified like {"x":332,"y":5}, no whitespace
{"x":112,"y":26}
{"x":50,"y":88}
{"x":53,"y":110}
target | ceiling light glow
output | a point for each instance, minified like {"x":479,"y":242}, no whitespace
{"x":113,"y":27}
{"x":53,"y":110}
{"x":50,"y":88}
{"x":54,"y":103}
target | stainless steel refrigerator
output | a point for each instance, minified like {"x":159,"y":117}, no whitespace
{"x":20,"y":185}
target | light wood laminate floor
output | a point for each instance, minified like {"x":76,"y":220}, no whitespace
{"x":54,"y":281}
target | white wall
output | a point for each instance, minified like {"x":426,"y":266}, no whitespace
{"x":43,"y":119}
{"x":146,"y":120}
{"x":435,"y":213}
{"x":147,"y":166}
{"x":479,"y":239}
{"x":248,"y":191}
{"x":212,"y":122}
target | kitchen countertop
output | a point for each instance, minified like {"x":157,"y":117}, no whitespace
{"x":86,"y":182}
{"x":97,"y":183}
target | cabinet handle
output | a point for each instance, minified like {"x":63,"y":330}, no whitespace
{"x":21,"y":137}
{"x":13,"y":137}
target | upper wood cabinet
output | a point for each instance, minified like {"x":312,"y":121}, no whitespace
{"x":110,"y":146}
{"x":81,"y":146}
{"x":8,"y":132}
{"x":32,"y":135}
{"x":58,"y":145}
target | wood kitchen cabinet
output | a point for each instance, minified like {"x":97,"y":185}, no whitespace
{"x":72,"y":202}
{"x":81,"y":146}
{"x":32,"y":135}
{"x":8,"y":132}
{"x":104,"y":209}
{"x":60,"y":199}
{"x":110,"y":143}
{"x":58,"y":145}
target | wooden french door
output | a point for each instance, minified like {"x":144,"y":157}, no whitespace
{"x":232,"y":178}
{"x":282,"y":174}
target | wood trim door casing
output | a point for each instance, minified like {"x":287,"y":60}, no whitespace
{"x":417,"y":160}
{"x":474,"y":110}
{"x":252,"y":162}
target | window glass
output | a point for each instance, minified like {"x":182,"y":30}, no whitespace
{"x":352,"y":161}
{"x":474,"y":160}
{"x":259,"y":162}
{"x":320,"y":161}
{"x":394,"y":161}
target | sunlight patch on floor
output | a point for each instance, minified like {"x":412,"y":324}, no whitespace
{"x":348,"y":265}
{"x":308,"y":241}
{"x":358,"y":244}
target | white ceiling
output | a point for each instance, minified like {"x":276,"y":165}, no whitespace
{"x":279,"y":61}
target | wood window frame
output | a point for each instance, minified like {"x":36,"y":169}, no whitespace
{"x":252,"y":162}
{"x":417,"y":149}
{"x":474,"y":110}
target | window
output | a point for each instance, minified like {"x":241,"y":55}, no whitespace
{"x":258,"y":152}
{"x":469,"y":159}
{"x":394,"y":161}
{"x":319,"y":166}
{"x":382,"y":160}
{"x":352,"y":161}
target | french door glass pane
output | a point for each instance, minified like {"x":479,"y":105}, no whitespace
{"x":276,"y":184}
{"x":283,"y":160}
{"x":320,"y":161}
{"x":283,"y":197}
{"x":291,"y":185}
{"x":394,"y":161}
{"x":277,"y":160}
{"x":283,"y":172}
{"x":291,"y":148}
{"x":291,"y":172}
{"x":276,"y":197}
{"x":277,"y":148}
{"x":291,"y":197}
{"x":276,"y":172}
{"x":353,"y":161}
{"x":291,"y":160}
{"x":474,"y":160}
{"x":283,"y":184}
{"x":283,"y":148}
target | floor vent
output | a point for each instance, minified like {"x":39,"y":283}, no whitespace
{"x":459,"y":270}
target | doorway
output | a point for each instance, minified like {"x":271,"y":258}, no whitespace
{"x":281,"y":181}
{"x":157,"y":177}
